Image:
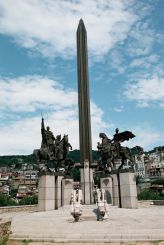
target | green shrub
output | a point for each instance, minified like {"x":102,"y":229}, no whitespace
{"x":29,"y":200}
{"x":13,"y":192}
{"x":158,"y":182}
{"x":150,"y":195}
{"x":6,"y":201}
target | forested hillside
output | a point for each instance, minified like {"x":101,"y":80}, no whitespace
{"x":19,"y":159}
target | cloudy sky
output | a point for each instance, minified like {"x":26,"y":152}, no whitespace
{"x":38,"y":70}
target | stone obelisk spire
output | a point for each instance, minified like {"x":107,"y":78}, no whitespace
{"x":84,"y":113}
{"x":83,"y":95}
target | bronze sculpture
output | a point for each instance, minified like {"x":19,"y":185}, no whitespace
{"x":54,"y":150}
{"x":111,"y":150}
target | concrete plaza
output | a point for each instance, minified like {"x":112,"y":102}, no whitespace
{"x":123,"y":225}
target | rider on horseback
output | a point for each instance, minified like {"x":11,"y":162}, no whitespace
{"x":47,"y":139}
{"x":111,"y":150}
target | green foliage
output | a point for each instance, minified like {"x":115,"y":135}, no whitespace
{"x":19,"y":159}
{"x":158,"y":148}
{"x":76,"y":174}
{"x":150,"y":195}
{"x":29,"y":200}
{"x":13,"y":192}
{"x":3,"y":241}
{"x":75,"y":155}
{"x":6,"y":201}
{"x":95,"y":155}
{"x":97,"y":181}
{"x":158,"y":182}
{"x":26,"y":242}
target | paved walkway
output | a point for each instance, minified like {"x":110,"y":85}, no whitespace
{"x":123,"y":225}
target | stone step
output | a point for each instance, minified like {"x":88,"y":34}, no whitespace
{"x":78,"y":237}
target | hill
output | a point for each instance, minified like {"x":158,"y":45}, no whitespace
{"x":19,"y":159}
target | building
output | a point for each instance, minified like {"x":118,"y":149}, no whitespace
{"x":139,"y":165}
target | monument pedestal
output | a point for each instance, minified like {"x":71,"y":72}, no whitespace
{"x":46,"y":195}
{"x":67,"y":187}
{"x":106,"y":184}
{"x":86,"y":175}
{"x":115,"y":190}
{"x":124,"y":189}
{"x":58,"y":191}
{"x":49,"y":196}
{"x":128,"y":190}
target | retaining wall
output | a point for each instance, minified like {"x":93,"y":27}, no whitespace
{"x":18,"y":208}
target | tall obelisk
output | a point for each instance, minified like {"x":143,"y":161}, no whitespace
{"x":84,"y":112}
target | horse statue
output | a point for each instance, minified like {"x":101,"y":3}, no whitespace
{"x":61,"y":154}
{"x":54,"y":150}
{"x":111,"y":150}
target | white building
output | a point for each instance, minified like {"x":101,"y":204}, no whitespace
{"x":139,"y":165}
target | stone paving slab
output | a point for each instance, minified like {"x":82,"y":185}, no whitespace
{"x":16,"y":242}
{"x":123,"y":225}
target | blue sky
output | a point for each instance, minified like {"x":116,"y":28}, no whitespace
{"x":38,"y":70}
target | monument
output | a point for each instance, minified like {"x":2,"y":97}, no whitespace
{"x":118,"y":183}
{"x":55,"y":177}
{"x":84,"y":114}
{"x":55,"y":183}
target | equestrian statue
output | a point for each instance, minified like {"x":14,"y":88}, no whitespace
{"x":54,"y":150}
{"x":111,"y":150}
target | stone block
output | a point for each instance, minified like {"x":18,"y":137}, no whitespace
{"x":46,"y":195}
{"x":87,"y":183}
{"x":67,"y":187}
{"x":127,"y":178}
{"x":45,"y":205}
{"x":128,"y":190}
{"x":58,"y":191}
{"x":46,"y":181}
{"x":116,"y":201}
{"x":106,"y":183}
{"x":129,"y":202}
{"x":115,"y":190}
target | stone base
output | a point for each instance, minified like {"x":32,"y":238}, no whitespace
{"x":58,"y":191}
{"x":126,"y":197}
{"x":107,"y":184}
{"x":67,"y":187}
{"x":115,"y":190}
{"x":46,"y":195}
{"x":128,"y":190}
{"x":86,"y":176}
{"x":49,"y":197}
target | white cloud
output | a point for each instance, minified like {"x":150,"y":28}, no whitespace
{"x":30,"y":93}
{"x":142,"y":37}
{"x":50,"y":26}
{"x":146,"y":91}
{"x":117,"y":61}
{"x":119,"y":109}
{"x":146,"y":61}
{"x":27,"y":96}
{"x":146,"y":137}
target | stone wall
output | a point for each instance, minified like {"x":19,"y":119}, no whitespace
{"x":145,"y":203}
{"x":4,"y":228}
{"x":18,"y":208}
